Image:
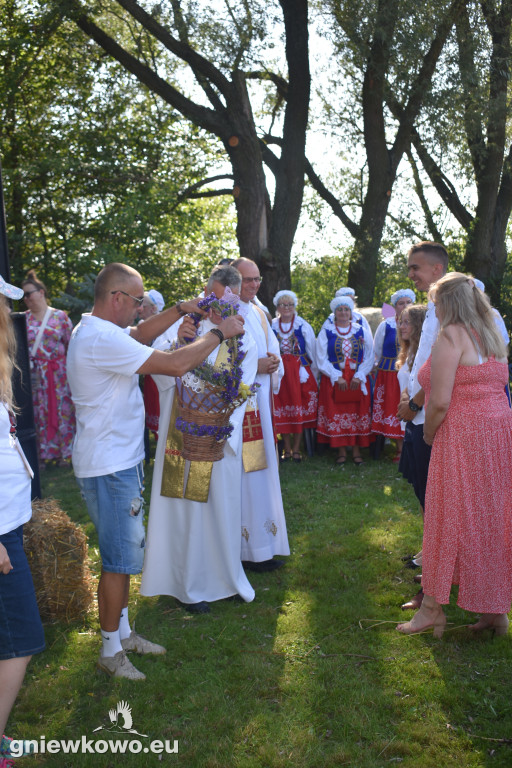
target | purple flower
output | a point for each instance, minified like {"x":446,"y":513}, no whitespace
{"x":203,"y":430}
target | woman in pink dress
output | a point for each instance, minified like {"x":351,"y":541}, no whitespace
{"x":467,"y":537}
{"x":49,"y":331}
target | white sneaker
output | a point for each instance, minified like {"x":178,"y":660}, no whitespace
{"x":140,"y":644}
{"x":119,"y":665}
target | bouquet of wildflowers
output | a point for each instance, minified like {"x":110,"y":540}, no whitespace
{"x":208,"y":394}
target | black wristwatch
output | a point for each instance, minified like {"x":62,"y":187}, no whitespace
{"x":414,"y":406}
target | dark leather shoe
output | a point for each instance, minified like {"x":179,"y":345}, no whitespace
{"x":417,"y":578}
{"x":414,"y":604}
{"x":264,"y":567}
{"x":201,"y":607}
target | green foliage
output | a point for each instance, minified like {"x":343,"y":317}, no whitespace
{"x":95,"y":167}
{"x":315,"y":282}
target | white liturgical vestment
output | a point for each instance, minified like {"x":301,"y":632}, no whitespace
{"x":263,"y":522}
{"x":193,"y":548}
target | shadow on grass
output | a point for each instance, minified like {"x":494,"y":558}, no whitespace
{"x":313,"y":673}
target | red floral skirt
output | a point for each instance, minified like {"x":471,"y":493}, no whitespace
{"x":342,"y":424}
{"x":295,"y":405}
{"x":386,"y":397}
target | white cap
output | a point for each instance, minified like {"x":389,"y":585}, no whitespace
{"x":10,"y":290}
{"x":157,"y":299}
{"x":345,"y":292}
{"x":280,"y":294}
{"x":341,"y":301}
{"x":403,"y":293}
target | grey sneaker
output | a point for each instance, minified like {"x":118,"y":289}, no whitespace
{"x":119,"y":665}
{"x":139,"y":644}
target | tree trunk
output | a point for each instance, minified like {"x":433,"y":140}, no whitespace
{"x":249,"y":186}
{"x":274,"y":261}
{"x":230,"y":118}
{"x":485,"y":250}
{"x":362,"y":272}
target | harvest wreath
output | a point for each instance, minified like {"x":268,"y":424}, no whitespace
{"x":208,"y":395}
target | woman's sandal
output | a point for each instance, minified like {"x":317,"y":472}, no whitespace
{"x":358,"y":460}
{"x":496,"y":622}
{"x":429,"y":615}
{"x":297,"y":457}
{"x":341,"y":461}
{"x":286,"y":456}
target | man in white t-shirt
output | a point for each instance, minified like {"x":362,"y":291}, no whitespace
{"x":105,"y":357}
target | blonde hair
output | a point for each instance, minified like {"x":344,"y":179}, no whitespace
{"x":7,"y":353}
{"x":460,"y":302}
{"x":408,"y":349}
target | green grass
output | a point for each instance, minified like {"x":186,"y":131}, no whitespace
{"x":312,"y":673}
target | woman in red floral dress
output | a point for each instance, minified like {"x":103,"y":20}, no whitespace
{"x":49,"y":331}
{"x":386,"y":393}
{"x":344,"y":356}
{"x":467,"y":537}
{"x":296,"y":403}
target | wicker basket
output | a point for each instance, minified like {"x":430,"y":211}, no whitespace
{"x":205,"y":408}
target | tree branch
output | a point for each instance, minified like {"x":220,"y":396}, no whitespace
{"x":442,"y":184}
{"x":436,"y":234}
{"x":470,"y":85}
{"x":190,"y":192}
{"x":179,"y":48}
{"x":332,"y":201}
{"x":202,"y":116}
{"x":424,"y":78}
{"x":280,"y":82}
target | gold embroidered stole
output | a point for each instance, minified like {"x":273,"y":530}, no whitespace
{"x":253,"y":448}
{"x":173,"y":470}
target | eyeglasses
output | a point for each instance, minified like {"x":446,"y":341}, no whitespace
{"x":29,"y":293}
{"x":136,"y":300}
{"x":247,"y":280}
{"x":286,"y":306}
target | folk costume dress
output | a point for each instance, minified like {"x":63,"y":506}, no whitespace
{"x":344,"y":353}
{"x":296,"y":403}
{"x":467,"y":537}
{"x":54,"y":412}
{"x":193,"y":546}
{"x":386,"y":394}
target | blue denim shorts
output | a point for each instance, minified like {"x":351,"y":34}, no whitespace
{"x":21,"y":631}
{"x":115,"y":506}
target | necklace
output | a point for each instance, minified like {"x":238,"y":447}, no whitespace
{"x":281,"y":326}
{"x":343,"y":333}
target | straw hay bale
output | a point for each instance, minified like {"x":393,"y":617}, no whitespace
{"x":57,"y":552}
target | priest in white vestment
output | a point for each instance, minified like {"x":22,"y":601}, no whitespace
{"x":193,"y":547}
{"x":264,"y":532}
